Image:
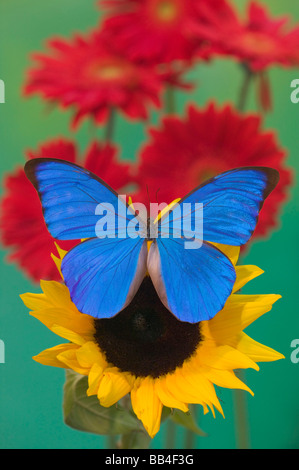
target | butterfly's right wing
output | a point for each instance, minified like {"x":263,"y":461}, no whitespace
{"x":103,"y":275}
{"x":73,"y":198}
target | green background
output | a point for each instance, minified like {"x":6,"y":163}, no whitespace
{"x":31,"y":394}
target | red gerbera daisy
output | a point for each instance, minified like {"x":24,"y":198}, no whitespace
{"x":23,"y":229}
{"x":184,"y":152}
{"x":157,"y":31}
{"x":89,"y":74}
{"x":259,"y":41}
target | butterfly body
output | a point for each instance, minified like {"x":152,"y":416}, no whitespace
{"x":191,"y":276}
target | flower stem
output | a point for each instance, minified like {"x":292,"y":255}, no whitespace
{"x":241,"y":417}
{"x":110,"y":126}
{"x":190,"y":437}
{"x":135,"y":440}
{"x":170,"y":100}
{"x":244,"y":92}
{"x":170,"y":435}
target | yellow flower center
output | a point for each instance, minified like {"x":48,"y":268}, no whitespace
{"x":258,"y":43}
{"x":166,"y":11}
{"x":112,"y":70}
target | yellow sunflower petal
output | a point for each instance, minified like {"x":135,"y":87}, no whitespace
{"x":61,"y":252}
{"x":113,"y":386}
{"x":244,"y":275}
{"x":238,"y":313}
{"x":54,"y":306}
{"x":224,"y":378}
{"x":200,"y":384}
{"x":185,"y":386}
{"x":48,"y":357}
{"x":57,"y":261}
{"x":256,"y":351}
{"x":79,"y":323}
{"x":232,"y":252}
{"x":68,"y":334}
{"x":167,"y":398}
{"x":223,"y":357}
{"x":90,"y":354}
{"x":69,"y":358}
{"x":36,"y":301}
{"x":94,"y":377}
{"x":58,"y":294}
{"x":147,"y":405}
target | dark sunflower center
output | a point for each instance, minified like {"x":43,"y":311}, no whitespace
{"x":145,"y":339}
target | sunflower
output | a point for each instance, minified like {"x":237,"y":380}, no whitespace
{"x":145,"y":352}
{"x":22,"y":227}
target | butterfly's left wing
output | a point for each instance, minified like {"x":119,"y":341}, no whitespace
{"x":231,"y":203}
{"x":192,"y":284}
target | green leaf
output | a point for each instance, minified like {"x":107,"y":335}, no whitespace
{"x":187,"y":421}
{"x":86,"y":414}
{"x":166,"y":412}
{"x":135,"y":440}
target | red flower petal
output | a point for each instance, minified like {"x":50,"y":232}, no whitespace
{"x":90,"y":75}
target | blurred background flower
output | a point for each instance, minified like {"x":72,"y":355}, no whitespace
{"x":94,"y":77}
{"x":203,"y":143}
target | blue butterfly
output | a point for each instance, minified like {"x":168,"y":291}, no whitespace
{"x":104,"y":274}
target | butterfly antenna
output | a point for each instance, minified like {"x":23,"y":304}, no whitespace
{"x":157,"y":195}
{"x":149,"y":199}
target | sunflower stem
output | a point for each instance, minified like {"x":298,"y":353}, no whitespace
{"x":241,"y":416}
{"x":136,"y":439}
{"x":244,"y":92}
{"x":170,"y":435}
{"x":190,"y":437}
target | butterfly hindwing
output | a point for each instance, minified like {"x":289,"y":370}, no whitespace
{"x":103,"y":275}
{"x":193,"y":284}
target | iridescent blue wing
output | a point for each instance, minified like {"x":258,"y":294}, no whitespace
{"x":102,"y":274}
{"x":195,"y":283}
{"x":72,"y":198}
{"x":232,"y":202}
